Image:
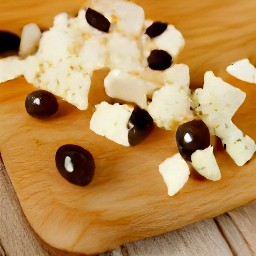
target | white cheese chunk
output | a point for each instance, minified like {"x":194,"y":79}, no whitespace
{"x":61,"y":20}
{"x":128,"y":87}
{"x":55,"y":44}
{"x":243,"y":70}
{"x":71,"y":50}
{"x":30,"y":37}
{"x":217,"y":103}
{"x":171,"y":41}
{"x":66,"y":59}
{"x":205,"y":163}
{"x":124,"y":53}
{"x":111,"y":121}
{"x":177,"y":74}
{"x":94,"y":53}
{"x":175,"y":173}
{"x":238,"y":145}
{"x":217,"y":99}
{"x":170,"y":105}
{"x":126,"y":17}
{"x":66,"y":79}
{"x":81,"y":25}
{"x":11,"y":68}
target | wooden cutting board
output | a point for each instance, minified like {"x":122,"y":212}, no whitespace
{"x":127,"y":199}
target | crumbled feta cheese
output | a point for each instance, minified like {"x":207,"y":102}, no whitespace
{"x":94,"y":53}
{"x":111,"y":121}
{"x":66,"y":79}
{"x":55,"y":44}
{"x":238,"y":145}
{"x":243,"y":70}
{"x":175,"y":172}
{"x":124,"y":53}
{"x":217,"y":103}
{"x":170,"y":105}
{"x":66,"y":59}
{"x":205,"y":163}
{"x":178,"y":74}
{"x":30,"y":38}
{"x":171,"y":41}
{"x":128,"y":87}
{"x":217,"y":99}
{"x":82,"y":27}
{"x":11,"y":68}
{"x":61,"y":20}
{"x":126,"y":17}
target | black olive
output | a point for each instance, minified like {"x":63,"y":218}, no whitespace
{"x":9,"y":42}
{"x":97,"y":20}
{"x":141,"y":124}
{"x":41,"y":104}
{"x":159,"y":60}
{"x":75,"y":164}
{"x":192,"y":136}
{"x":156,"y":29}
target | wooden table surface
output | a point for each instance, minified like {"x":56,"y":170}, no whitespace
{"x":233,"y":233}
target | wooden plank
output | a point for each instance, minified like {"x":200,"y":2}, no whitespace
{"x":244,"y":219}
{"x":202,"y":238}
{"x":233,"y":235}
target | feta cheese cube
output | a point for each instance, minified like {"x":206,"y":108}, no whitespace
{"x":217,"y":103}
{"x":129,"y":87}
{"x":126,"y":17}
{"x":175,"y":173}
{"x":178,"y":74}
{"x":170,"y":105}
{"x":93,"y":53}
{"x":217,"y":99}
{"x":171,"y":41}
{"x":111,"y":121}
{"x":11,"y":68}
{"x":30,"y":37}
{"x":243,"y":70}
{"x":238,"y":145}
{"x":66,"y":79}
{"x":124,"y":53}
{"x":205,"y":163}
{"x":61,"y":21}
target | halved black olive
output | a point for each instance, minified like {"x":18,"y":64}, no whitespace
{"x":141,"y":124}
{"x":156,"y":29}
{"x":97,"y":20}
{"x":159,"y":60}
{"x":9,"y":42}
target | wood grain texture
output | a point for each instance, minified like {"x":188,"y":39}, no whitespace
{"x":204,"y":234}
{"x":127,"y":199}
{"x":233,"y":235}
{"x":17,"y":238}
{"x":244,"y":220}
